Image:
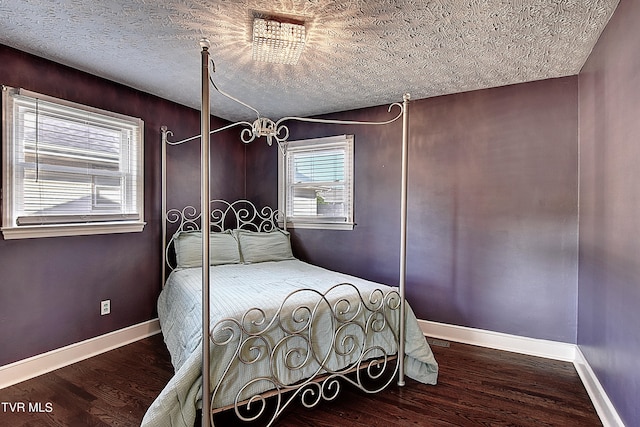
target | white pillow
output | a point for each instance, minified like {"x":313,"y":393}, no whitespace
{"x":264,"y":246}
{"x":223,"y":249}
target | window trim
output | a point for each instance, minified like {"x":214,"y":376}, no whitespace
{"x":10,"y":228}
{"x":319,"y":223}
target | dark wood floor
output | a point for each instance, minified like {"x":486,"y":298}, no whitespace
{"x":477,"y":387}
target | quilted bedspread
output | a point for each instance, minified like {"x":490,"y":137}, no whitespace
{"x":236,"y":288}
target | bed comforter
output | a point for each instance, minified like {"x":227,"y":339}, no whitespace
{"x":236,"y":288}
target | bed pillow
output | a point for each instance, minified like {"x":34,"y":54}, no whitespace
{"x":264,"y":246}
{"x":223,"y":249}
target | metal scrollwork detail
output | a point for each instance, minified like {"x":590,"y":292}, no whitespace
{"x":224,"y":215}
{"x":271,"y":130}
{"x":294,"y":363}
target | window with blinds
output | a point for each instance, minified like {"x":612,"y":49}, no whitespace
{"x":69,"y":168}
{"x":316,"y":183}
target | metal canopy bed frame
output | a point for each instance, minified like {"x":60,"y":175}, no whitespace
{"x":216,"y":216}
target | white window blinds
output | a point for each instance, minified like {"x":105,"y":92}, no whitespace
{"x":69,"y":163}
{"x":319,"y":181}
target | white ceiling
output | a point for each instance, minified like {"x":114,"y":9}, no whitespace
{"x":358,"y":53}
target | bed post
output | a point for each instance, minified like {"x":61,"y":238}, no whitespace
{"x":164,"y":204}
{"x":205,"y":226}
{"x":403,"y":234}
{"x":283,"y":152}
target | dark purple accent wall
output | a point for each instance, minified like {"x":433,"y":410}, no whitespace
{"x":492,"y":215}
{"x":609,"y":275}
{"x":51,"y":288}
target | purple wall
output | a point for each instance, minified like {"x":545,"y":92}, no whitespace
{"x":50,"y":288}
{"x":492,"y":214}
{"x":609,"y":275}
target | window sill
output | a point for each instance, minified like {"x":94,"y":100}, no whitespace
{"x":59,"y":230}
{"x":321,"y":225}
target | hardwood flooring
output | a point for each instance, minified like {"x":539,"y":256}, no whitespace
{"x":112,"y":389}
{"x":477,"y":387}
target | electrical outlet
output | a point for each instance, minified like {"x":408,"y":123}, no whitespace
{"x":105,"y":307}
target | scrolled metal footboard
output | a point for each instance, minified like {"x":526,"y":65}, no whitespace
{"x":304,"y":349}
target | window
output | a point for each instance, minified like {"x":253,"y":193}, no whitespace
{"x":316,"y":183}
{"x":68,"y":169}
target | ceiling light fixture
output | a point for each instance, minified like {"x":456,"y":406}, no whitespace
{"x":277,"y":42}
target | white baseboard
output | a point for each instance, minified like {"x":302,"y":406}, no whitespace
{"x":532,"y":347}
{"x":605,"y":409}
{"x":480,"y":337}
{"x":32,"y":367}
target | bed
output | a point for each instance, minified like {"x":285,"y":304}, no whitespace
{"x":278,"y":330}
{"x":312,"y":326}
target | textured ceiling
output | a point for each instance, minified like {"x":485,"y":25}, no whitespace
{"x":358,"y":53}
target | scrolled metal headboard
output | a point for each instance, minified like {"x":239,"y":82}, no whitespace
{"x":224,"y":215}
